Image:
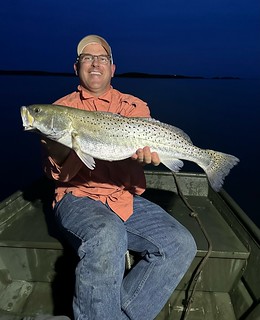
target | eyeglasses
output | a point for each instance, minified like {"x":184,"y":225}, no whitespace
{"x":89,"y":58}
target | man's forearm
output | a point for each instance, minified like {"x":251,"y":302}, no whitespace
{"x":55,"y":150}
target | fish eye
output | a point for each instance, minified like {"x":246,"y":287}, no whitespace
{"x":37,"y":109}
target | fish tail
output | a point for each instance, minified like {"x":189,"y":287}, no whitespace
{"x":218,"y":167}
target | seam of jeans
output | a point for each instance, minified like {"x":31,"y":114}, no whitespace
{"x":160,"y":249}
{"x":139,"y":288}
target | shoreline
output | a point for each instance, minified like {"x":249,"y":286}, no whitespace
{"x":120,"y":75}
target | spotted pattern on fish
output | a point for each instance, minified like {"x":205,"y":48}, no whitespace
{"x":108,"y":136}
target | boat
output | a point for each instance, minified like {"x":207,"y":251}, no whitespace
{"x":223,"y":282}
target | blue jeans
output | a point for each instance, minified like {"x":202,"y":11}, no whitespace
{"x":101,"y":239}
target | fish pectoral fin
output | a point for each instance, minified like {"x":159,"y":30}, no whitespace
{"x":173,"y":164}
{"x":84,"y":157}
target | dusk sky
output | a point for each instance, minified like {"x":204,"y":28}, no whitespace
{"x":189,"y":37}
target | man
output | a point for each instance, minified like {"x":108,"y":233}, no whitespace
{"x":102,"y":215}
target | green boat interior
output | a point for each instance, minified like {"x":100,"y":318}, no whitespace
{"x":223,"y":282}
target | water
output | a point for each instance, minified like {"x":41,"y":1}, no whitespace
{"x":217,"y":114}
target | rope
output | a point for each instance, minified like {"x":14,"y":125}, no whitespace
{"x":195,"y":276}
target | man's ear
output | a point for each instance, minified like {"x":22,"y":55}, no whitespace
{"x":113,"y":69}
{"x":76,"y":68}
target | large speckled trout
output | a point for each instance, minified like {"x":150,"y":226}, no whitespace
{"x":108,"y":136}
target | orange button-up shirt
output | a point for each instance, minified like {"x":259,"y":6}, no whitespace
{"x":113,"y":183}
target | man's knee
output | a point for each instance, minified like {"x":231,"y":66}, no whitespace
{"x":182,"y":244}
{"x":108,"y":236}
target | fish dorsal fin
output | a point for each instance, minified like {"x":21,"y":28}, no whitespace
{"x":173,"y":164}
{"x":170,"y":127}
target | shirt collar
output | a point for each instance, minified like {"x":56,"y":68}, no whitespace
{"x":107,"y":96}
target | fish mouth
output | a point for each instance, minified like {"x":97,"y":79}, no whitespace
{"x":27,"y":119}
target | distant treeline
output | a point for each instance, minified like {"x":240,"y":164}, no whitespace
{"x":121,"y":75}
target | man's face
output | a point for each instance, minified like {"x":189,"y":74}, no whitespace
{"x":95,"y":76}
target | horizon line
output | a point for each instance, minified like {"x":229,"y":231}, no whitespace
{"x":122,"y":75}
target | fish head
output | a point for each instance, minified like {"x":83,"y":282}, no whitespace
{"x":48,"y":120}
{"x":27,"y":119}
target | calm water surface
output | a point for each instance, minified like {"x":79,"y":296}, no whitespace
{"x":217,"y":114}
